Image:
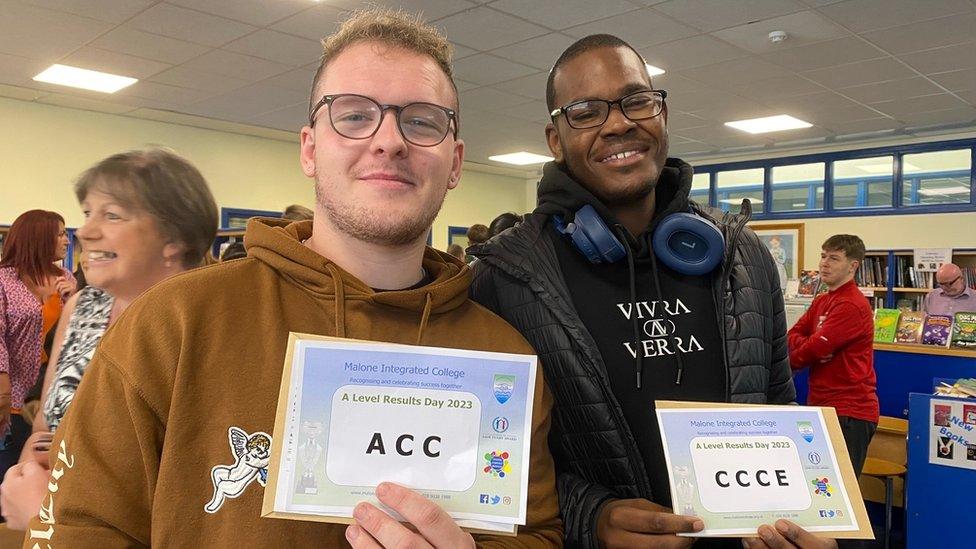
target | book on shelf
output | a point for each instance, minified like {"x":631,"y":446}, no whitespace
{"x":908,"y":276}
{"x":809,"y":283}
{"x":964,"y":330}
{"x":936,"y":330}
{"x":910,"y":303}
{"x":910,"y":327}
{"x":885,"y":325}
{"x":871,"y":272}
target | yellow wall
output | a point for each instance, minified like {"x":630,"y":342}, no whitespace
{"x":884,"y":232}
{"x":43,"y":149}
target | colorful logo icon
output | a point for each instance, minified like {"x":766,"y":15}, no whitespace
{"x":483,"y":499}
{"x":503,"y":387}
{"x":497,"y":465}
{"x":814,"y":458}
{"x":495,"y":500}
{"x":806,"y":430}
{"x":500,"y":424}
{"x":822,"y":487}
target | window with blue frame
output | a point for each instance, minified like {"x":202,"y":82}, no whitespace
{"x":798,"y":187}
{"x":734,"y":185}
{"x":939,"y":177}
{"x":864,"y":182}
{"x":700,"y":184}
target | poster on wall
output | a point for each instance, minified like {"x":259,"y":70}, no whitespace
{"x":953,"y":433}
{"x":785,"y":243}
{"x":928,"y":260}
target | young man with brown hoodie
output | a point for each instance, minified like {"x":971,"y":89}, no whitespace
{"x":198,"y":359}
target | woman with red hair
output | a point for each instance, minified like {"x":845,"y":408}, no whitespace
{"x":32,"y":292}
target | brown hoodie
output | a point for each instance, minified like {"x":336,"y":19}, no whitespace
{"x":202,"y":353}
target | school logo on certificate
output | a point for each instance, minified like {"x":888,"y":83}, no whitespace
{"x":806,"y":430}
{"x":503,"y":387}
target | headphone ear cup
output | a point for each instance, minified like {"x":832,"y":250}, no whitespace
{"x":606,"y":245}
{"x":688,"y":244}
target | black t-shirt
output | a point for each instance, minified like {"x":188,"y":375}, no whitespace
{"x":681,"y":320}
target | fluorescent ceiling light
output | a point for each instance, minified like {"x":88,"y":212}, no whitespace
{"x":652,"y":70}
{"x":63,"y":75}
{"x":769,"y":124}
{"x":944,"y":191}
{"x":737,"y":201}
{"x":521,"y":158}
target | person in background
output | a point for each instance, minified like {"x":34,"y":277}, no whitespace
{"x":32,"y":293}
{"x":478,"y":234}
{"x":952,"y":295}
{"x":456,"y":250}
{"x":297,"y":212}
{"x":835,"y":339}
{"x":235,"y":250}
{"x":148,"y":215}
{"x":502,"y":222}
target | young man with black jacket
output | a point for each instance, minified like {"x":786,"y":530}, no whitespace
{"x":616,"y":336}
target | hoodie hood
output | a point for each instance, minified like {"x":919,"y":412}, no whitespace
{"x":278,"y":243}
{"x":561,"y":194}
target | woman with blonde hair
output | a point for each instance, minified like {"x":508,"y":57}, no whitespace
{"x":149,"y":215}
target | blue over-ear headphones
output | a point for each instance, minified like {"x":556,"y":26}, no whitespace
{"x":684,"y":242}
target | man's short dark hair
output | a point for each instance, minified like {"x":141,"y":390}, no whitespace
{"x":478,"y":234}
{"x":851,"y":245}
{"x":581,"y":46}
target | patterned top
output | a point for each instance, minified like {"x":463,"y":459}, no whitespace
{"x":21,"y":341}
{"x":85,"y":329}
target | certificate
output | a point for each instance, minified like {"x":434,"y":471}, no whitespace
{"x":739,"y":467}
{"x":454,"y":425}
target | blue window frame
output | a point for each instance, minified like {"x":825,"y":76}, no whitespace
{"x":236,"y":218}
{"x":856,"y":182}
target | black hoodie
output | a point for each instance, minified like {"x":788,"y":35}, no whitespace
{"x":643,"y":316}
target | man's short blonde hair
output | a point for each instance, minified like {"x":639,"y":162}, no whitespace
{"x":389,"y":27}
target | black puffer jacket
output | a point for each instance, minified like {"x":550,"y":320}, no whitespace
{"x":518,"y":277}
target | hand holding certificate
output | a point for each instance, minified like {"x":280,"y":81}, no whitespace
{"x":452,"y":425}
{"x":741,"y":467}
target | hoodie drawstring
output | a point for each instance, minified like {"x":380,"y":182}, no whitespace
{"x":340,"y":301}
{"x":638,"y":355}
{"x":424,"y":317}
{"x":664,"y":313}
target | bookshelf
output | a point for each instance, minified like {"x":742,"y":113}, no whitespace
{"x":894,"y":269}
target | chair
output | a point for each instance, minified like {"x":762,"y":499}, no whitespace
{"x":886,"y":464}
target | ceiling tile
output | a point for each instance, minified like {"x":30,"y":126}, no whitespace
{"x":149,"y":46}
{"x":540,"y":52}
{"x":37,"y":33}
{"x":805,"y":27}
{"x":315,"y":24}
{"x":22,"y":94}
{"x":777,"y":88}
{"x":950,"y":58}
{"x":255,"y":12}
{"x":926,"y":35}
{"x":487,"y":29}
{"x":464,"y":86}
{"x":956,"y":80}
{"x":429,"y":9}
{"x":867,"y":15}
{"x":115,"y":11}
{"x":888,"y":91}
{"x":675,"y":84}
{"x":732,"y":108}
{"x":532,"y":86}
{"x":491,"y":99}
{"x":114,"y":63}
{"x":871,"y":125}
{"x":678,"y":121}
{"x":711,"y":15}
{"x":297,"y":80}
{"x":190,"y":25}
{"x":736,"y":72}
{"x":824,"y":54}
{"x":248,"y":102}
{"x":561,"y":14}
{"x":863,"y":72}
{"x":692,"y":52}
{"x":825,"y":117}
{"x":186,"y":77}
{"x":85,"y":103}
{"x":165,"y":93}
{"x":534,"y":111}
{"x":235,"y":65}
{"x":277,"y":46}
{"x":909,"y":106}
{"x":813,"y":103}
{"x":638,"y":28}
{"x":487,"y":69}
{"x":290,"y":118}
{"x":460,"y":52}
{"x":20,"y":70}
{"x":691,"y":101}
{"x":949,"y":117}
{"x":968,"y":96}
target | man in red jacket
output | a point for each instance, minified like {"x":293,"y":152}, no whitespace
{"x":834,"y":338}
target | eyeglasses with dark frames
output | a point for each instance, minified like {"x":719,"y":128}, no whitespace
{"x":950,"y":283}
{"x":592,"y":113}
{"x":359,"y":117}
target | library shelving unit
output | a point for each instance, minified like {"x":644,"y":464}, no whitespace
{"x":69,"y":260}
{"x":889,"y":274}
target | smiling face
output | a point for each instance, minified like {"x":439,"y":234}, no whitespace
{"x":124,"y":249}
{"x":382,"y":189}
{"x":620,"y":161}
